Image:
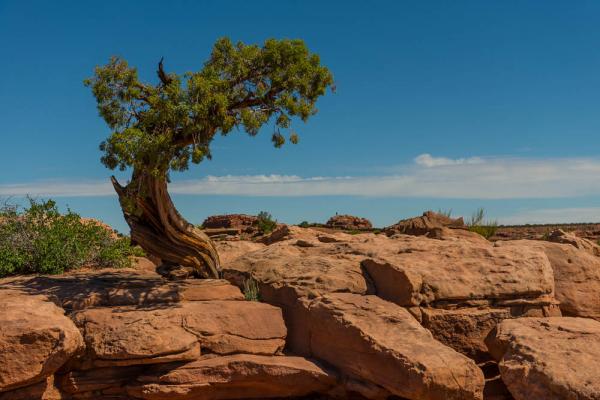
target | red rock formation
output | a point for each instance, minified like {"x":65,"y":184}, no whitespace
{"x":240,"y":222}
{"x":427,"y":223}
{"x":348,"y":222}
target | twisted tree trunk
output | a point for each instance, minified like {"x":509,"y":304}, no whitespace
{"x":159,"y":228}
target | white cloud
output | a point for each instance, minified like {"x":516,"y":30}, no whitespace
{"x":58,"y":188}
{"x":428,"y":177}
{"x":427,"y":160}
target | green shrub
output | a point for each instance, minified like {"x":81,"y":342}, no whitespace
{"x":487,"y":229}
{"x":39,"y":239}
{"x":304,"y":224}
{"x":265,"y":222}
{"x":251,"y":291}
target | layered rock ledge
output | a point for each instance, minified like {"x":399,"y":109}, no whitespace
{"x":341,"y":316}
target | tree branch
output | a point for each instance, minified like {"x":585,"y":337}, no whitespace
{"x":164,"y":78}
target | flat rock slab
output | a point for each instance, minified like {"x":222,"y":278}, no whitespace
{"x":308,"y":271}
{"x":380,"y":342}
{"x":36,"y":339}
{"x":548,"y":358}
{"x":133,"y":335}
{"x":240,"y":376}
{"x":413,"y":271}
{"x":108,"y":289}
{"x":407,"y":270}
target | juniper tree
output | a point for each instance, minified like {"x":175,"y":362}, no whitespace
{"x":163,"y":127}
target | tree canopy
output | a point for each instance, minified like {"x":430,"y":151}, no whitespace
{"x":165,"y":126}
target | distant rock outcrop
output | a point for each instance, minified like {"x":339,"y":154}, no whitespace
{"x":560,"y":236}
{"x":428,"y":223}
{"x":232,"y":224}
{"x":348,"y":222}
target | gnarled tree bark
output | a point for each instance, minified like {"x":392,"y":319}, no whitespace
{"x":159,"y":228}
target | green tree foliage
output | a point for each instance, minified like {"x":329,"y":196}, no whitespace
{"x":164,"y":127}
{"x":40,"y":239}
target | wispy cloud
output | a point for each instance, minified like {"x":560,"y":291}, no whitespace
{"x":59,"y":188}
{"x":428,"y":176}
{"x":427,"y":160}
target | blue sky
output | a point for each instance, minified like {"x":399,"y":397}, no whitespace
{"x":439,"y":105}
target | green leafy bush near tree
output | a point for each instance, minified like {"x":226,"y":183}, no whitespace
{"x":39,"y":239}
{"x":477,"y":224}
{"x":265,"y":222}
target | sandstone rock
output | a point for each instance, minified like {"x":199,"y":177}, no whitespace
{"x":348,"y":222}
{"x":144,"y":264}
{"x":548,"y":358}
{"x":94,"y":381}
{"x":513,"y":280}
{"x":239,"y":376}
{"x":119,"y":288}
{"x":36,"y":339}
{"x":287,"y":273}
{"x":280,"y":233}
{"x":231,"y":250}
{"x":382,"y":343}
{"x":45,"y":390}
{"x":445,"y":233}
{"x":560,"y":236}
{"x":576,"y":277}
{"x":179,"y":333}
{"x":241,"y":222}
{"x":428,"y":222}
{"x":464,"y":329}
{"x":310,"y":271}
{"x":413,"y":271}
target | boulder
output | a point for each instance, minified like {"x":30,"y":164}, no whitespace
{"x":548,"y":358}
{"x":36,"y":339}
{"x":180,"y":333}
{"x":280,"y":233}
{"x":465,"y":329}
{"x":576,"y":277}
{"x":348,"y":222}
{"x":287,"y":273}
{"x":413,"y":271}
{"x":380,"y":342}
{"x":429,"y":222}
{"x":231,"y":250}
{"x":459,"y":287}
{"x":560,"y":236}
{"x":240,"y":376}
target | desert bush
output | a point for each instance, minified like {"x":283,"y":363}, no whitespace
{"x":304,"y":224}
{"x":265,"y":222}
{"x":477,"y":224}
{"x":39,"y":239}
{"x":251,"y":291}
